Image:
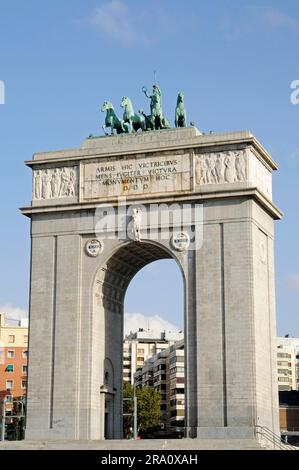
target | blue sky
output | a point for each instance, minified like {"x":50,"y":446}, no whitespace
{"x":59,"y":61}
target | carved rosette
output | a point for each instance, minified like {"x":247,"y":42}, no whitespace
{"x":55,"y":183}
{"x":221,"y":167}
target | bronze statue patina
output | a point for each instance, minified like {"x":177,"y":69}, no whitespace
{"x":132,"y":122}
{"x":180,"y":112}
{"x":135,"y":122}
{"x":113,"y":121}
{"x":157,"y":118}
{"x":147,"y":120}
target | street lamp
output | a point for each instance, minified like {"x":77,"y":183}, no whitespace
{"x":3,"y":419}
{"x":135,"y":417}
{"x":135,"y":405}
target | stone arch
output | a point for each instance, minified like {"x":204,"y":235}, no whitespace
{"x":110,"y":284}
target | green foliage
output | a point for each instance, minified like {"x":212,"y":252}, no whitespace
{"x":128,"y":407}
{"x":148,"y":409}
{"x":15,"y":424}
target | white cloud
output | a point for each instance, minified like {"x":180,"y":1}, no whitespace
{"x":293,"y":282}
{"x":145,"y":25}
{"x":134,"y":321}
{"x":246,"y":19}
{"x":13,"y":313}
{"x":115,"y":20}
{"x":276,"y":18}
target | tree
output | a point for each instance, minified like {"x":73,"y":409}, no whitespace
{"x":148,"y":409}
{"x":128,"y":392}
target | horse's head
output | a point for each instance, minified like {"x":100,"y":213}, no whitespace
{"x":125,"y":101}
{"x":107,"y":105}
{"x":180,"y":97}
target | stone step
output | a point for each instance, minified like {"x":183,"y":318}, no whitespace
{"x":143,"y":444}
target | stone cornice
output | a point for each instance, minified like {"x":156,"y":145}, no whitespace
{"x":248,"y":193}
{"x":158,"y":141}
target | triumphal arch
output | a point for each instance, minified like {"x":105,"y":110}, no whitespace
{"x":101,"y":212}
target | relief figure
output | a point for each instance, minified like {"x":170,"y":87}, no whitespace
{"x":213,"y":174}
{"x":240,"y":164}
{"x":46,"y":185}
{"x":38,"y":185}
{"x":64,"y":183}
{"x":55,"y":183}
{"x":220,"y":168}
{"x":71,"y":184}
{"x":230,"y":173}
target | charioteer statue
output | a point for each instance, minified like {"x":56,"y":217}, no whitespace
{"x":157,"y":119}
{"x":132,"y":122}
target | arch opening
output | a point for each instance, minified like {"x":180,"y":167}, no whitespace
{"x":111,"y":283}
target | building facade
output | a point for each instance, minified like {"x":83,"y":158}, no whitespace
{"x":139,"y":346}
{"x":13,"y":361}
{"x":165,"y":372}
{"x":288,"y":363}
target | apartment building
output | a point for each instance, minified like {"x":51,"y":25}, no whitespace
{"x":288,"y":363}
{"x":13,"y":360}
{"x":165,"y":372}
{"x":139,"y":346}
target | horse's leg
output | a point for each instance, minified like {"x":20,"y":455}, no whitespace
{"x":104,"y":127}
{"x":132,"y":129}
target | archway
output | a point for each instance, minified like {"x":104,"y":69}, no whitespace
{"x":110,"y":286}
{"x":221,"y":233}
{"x":153,"y":349}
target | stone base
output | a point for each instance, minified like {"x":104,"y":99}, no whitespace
{"x":129,"y":445}
{"x":241,"y":432}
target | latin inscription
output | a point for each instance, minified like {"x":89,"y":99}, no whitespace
{"x":136,"y":176}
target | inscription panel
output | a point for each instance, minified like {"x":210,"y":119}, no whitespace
{"x":136,"y":176}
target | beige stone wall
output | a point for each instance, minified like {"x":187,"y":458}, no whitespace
{"x":76,"y":304}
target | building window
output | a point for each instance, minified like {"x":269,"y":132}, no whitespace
{"x":11,"y":338}
{"x":24,"y":383}
{"x":9,"y":384}
{"x":180,"y":380}
{"x":9,"y":398}
{"x":25,"y":354}
{"x":10,"y":354}
{"x":24,"y":369}
{"x":25,"y":339}
{"x":284,"y":371}
{"x":9,"y":368}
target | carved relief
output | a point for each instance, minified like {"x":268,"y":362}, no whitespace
{"x":54,"y":183}
{"x":219,"y":168}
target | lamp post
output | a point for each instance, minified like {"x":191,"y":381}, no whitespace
{"x":3,"y":419}
{"x":135,"y":411}
{"x":135,"y":415}
{"x":135,"y":406}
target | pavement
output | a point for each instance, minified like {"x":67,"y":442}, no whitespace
{"x":132,"y":445}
